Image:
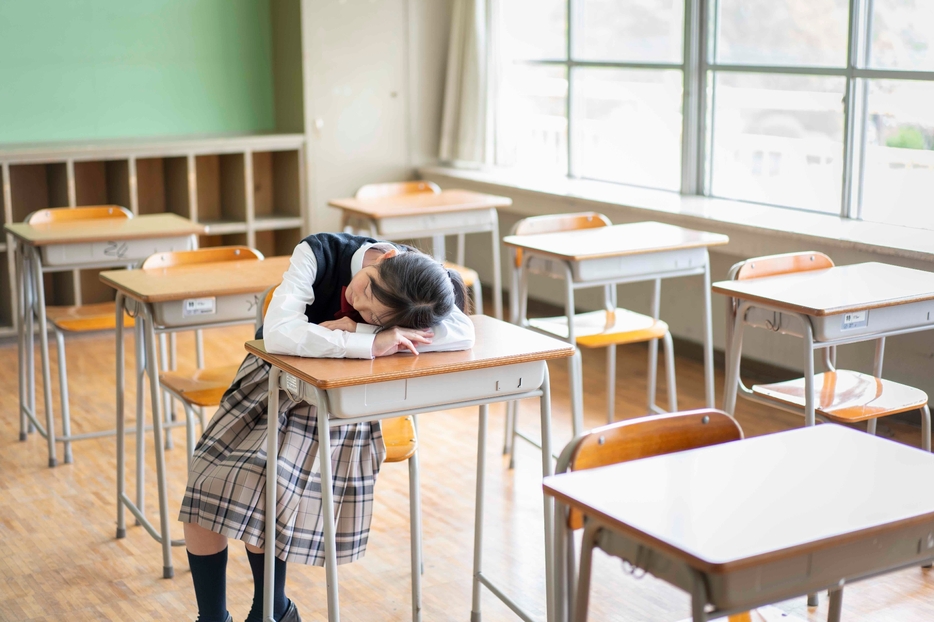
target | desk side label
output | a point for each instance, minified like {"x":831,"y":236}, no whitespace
{"x":199,"y":306}
{"x":856,"y":319}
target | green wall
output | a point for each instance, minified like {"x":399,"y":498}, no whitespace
{"x":95,"y":69}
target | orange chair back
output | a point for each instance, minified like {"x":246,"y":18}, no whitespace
{"x":392,"y":189}
{"x":552,"y":223}
{"x":773,"y":265}
{"x":69,"y":214}
{"x":212,"y":254}
{"x":267,"y":298}
{"x":649,"y":436}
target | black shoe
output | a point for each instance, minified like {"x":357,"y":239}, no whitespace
{"x":291,"y":614}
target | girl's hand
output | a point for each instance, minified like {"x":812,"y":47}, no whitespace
{"x":397,"y":339}
{"x":345,"y":323}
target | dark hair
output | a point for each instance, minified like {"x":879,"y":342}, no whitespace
{"x":419,"y":290}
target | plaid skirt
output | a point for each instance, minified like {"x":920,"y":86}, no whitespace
{"x":227,"y":476}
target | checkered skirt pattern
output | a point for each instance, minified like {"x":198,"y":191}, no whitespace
{"x":227,"y":476}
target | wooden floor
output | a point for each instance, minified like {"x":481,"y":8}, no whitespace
{"x":59,"y":559}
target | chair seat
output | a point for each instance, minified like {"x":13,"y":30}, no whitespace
{"x":596,"y":330}
{"x":469,"y":276}
{"x":99,"y":316}
{"x":847,"y":396}
{"x":201,"y":387}
{"x":400,"y":438}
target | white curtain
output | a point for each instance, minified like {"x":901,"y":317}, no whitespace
{"x":467,"y":117}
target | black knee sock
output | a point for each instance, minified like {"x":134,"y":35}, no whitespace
{"x":209,"y":574}
{"x":279,"y":602}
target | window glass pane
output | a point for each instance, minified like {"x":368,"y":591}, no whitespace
{"x":778,"y":139}
{"x":629,"y":30}
{"x":533,"y":29}
{"x":903,"y":35}
{"x":783,"y":32}
{"x":627,"y":126}
{"x":898,"y":179}
{"x":531,"y":118}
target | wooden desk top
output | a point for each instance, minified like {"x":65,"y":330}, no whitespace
{"x":615,"y":241}
{"x":223,"y":278}
{"x":840,"y":289}
{"x":420,"y":203}
{"x":105,"y":230}
{"x":498,"y":343}
{"x":701,"y":507}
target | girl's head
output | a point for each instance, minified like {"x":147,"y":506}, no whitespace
{"x":405,"y":289}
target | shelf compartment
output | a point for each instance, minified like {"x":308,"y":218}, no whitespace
{"x":272,"y":243}
{"x":92,"y":289}
{"x":162,"y":186}
{"x":37,"y":186}
{"x":276,"y":186}
{"x":227,"y":239}
{"x":102,"y":182}
{"x":221,"y":187}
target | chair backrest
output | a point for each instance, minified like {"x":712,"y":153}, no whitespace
{"x":773,"y":265}
{"x":261,"y":308}
{"x":552,"y":223}
{"x":645,"y":437}
{"x":69,"y":214}
{"x":212,"y":254}
{"x":375,"y":191}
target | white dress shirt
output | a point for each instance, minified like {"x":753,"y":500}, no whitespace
{"x":286,"y":329}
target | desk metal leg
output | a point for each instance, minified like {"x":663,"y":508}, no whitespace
{"x":582,"y":597}
{"x":415,"y":535}
{"x":708,"y":338}
{"x":140,"y":344}
{"x":735,"y":351}
{"x":327,"y":498}
{"x":478,"y":515}
{"x":21,"y":308}
{"x":497,"y":269}
{"x":699,"y":598}
{"x":836,"y":605}
{"x":44,"y":344}
{"x":877,"y":372}
{"x":152,"y":364}
{"x":272,"y":453}
{"x":121,"y":442}
{"x":809,"y":417}
{"x":547,"y":470}
{"x":30,"y":344}
{"x":63,"y":392}
{"x":653,"y":349}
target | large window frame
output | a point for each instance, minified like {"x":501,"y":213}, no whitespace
{"x":700,"y":68}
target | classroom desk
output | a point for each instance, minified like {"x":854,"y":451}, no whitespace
{"x":426,"y":214}
{"x":507,"y":362}
{"x":608,"y":256}
{"x":165,"y":300}
{"x":740,"y":538}
{"x":826,"y":308}
{"x":58,"y":247}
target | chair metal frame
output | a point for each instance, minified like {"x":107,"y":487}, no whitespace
{"x":783,"y":322}
{"x":521,"y":268}
{"x":608,"y":438}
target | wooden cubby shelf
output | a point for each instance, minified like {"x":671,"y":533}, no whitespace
{"x":247,"y":189}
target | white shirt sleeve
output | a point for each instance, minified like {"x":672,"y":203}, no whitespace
{"x":286,"y":329}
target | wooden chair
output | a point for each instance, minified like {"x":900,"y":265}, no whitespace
{"x":199,"y":388}
{"x":620,"y":442}
{"x":843,"y":396}
{"x":77,"y":319}
{"x":401,"y":440}
{"x":376,"y":191}
{"x":597,"y":329}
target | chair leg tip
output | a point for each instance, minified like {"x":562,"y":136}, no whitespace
{"x":474,"y":616}
{"x":813,"y":600}
{"x":121,"y":533}
{"x":168,"y":572}
{"x":53,"y":463}
{"x":23,"y":436}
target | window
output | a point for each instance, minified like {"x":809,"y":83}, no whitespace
{"x":821,"y":105}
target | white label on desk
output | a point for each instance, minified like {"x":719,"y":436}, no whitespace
{"x":198,"y":306}
{"x":856,"y":319}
